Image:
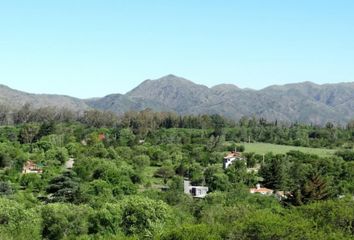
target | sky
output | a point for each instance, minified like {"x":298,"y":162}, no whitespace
{"x":91,"y":48}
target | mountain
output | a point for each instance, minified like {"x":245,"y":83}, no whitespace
{"x":302,"y":102}
{"x":16,"y":99}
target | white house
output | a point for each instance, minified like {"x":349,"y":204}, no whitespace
{"x":230,"y":158}
{"x":195,"y":191}
{"x":70,"y":163}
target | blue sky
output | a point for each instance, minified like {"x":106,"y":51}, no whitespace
{"x":88,"y":48}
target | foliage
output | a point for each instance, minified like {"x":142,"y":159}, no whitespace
{"x":128,"y":174}
{"x":143,"y":216}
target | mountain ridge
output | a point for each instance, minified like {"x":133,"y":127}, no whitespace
{"x":306,"y":102}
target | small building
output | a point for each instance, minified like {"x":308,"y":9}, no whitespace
{"x":261,"y":190}
{"x":195,"y":191}
{"x":101,"y":137}
{"x":70,"y":163}
{"x":31,"y":167}
{"x":230,"y":158}
{"x":282,"y":195}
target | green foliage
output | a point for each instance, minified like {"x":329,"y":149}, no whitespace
{"x":57,"y":155}
{"x":143,"y":216}
{"x":195,"y":232}
{"x":106,"y":220}
{"x":126,"y":137}
{"x":17,"y":222}
{"x":276,"y":173}
{"x":31,"y":181}
{"x":64,"y":221}
{"x":64,"y":188}
{"x":5,"y":188}
{"x":347,"y":155}
{"x":123,"y":188}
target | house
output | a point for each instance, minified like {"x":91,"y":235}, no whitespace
{"x":101,"y":137}
{"x":230,"y":158}
{"x":70,"y":163}
{"x":282,"y":195}
{"x":195,"y":191}
{"x":31,"y":167}
{"x":260,"y":190}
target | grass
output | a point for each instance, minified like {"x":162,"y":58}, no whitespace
{"x":263,"y":148}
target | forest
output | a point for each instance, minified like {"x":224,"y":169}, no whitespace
{"x":95,"y":175}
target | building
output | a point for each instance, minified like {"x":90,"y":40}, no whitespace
{"x":70,"y":163}
{"x":101,"y":137}
{"x":195,"y":191}
{"x":31,"y":167}
{"x":230,"y":158}
{"x":260,"y":190}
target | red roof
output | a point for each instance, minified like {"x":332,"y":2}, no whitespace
{"x":261,"y":190}
{"x":233,"y":154}
{"x":101,"y":136}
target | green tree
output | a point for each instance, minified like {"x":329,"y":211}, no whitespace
{"x":64,"y":188}
{"x":64,"y":221}
{"x":276,"y":173}
{"x":142,"y":216}
{"x":166,"y":172}
{"x":28,"y":133}
{"x":5,"y":188}
{"x":126,"y":137}
{"x":17,"y":222}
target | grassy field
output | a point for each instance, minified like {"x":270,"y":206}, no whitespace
{"x":263,"y":148}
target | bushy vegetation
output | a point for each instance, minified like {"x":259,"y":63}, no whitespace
{"x":127,"y":179}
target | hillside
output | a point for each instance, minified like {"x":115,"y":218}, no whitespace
{"x":302,"y":102}
{"x":16,"y":99}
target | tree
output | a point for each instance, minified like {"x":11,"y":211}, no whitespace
{"x":23,"y":115}
{"x":28,"y":133}
{"x":5,"y":188}
{"x":4,"y":114}
{"x":126,"y":137}
{"x":275,"y":173}
{"x":18,"y":222}
{"x":59,"y":155}
{"x":315,"y":189}
{"x":106,"y":220}
{"x":142,"y":215}
{"x":4,"y":160}
{"x":347,"y":155}
{"x":165,"y":172}
{"x":64,"y":188}
{"x":194,"y":232}
{"x":64,"y":221}
{"x":215,"y":179}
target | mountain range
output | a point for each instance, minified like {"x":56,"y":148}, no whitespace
{"x":301,"y":102}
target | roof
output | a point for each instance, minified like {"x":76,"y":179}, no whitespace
{"x":101,"y":136}
{"x":200,"y":187}
{"x":261,"y":190}
{"x":30,"y":165}
{"x":233,"y":154}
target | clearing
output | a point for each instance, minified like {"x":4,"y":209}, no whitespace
{"x":263,"y":148}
